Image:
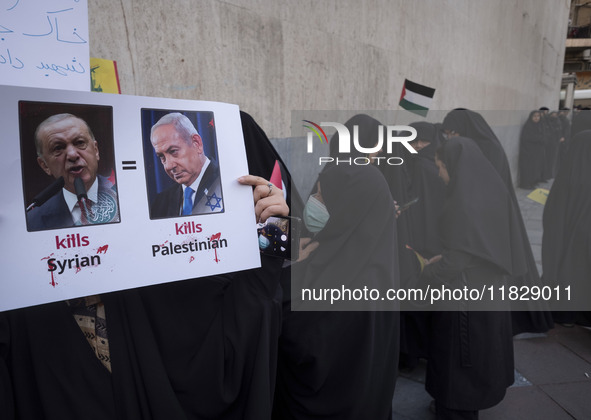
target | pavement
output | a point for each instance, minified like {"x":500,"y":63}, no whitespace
{"x":552,"y":370}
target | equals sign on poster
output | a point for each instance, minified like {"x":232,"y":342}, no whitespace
{"x":129,"y":164}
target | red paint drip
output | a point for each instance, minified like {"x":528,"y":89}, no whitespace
{"x":53,"y":283}
{"x":215,"y":237}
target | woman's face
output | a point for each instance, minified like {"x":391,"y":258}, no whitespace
{"x":535,"y":117}
{"x":443,"y":174}
{"x":318,"y":194}
{"x":419,"y":144}
{"x":448,"y":134}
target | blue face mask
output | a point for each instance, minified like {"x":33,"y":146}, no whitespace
{"x":263,"y":242}
{"x":315,"y":215}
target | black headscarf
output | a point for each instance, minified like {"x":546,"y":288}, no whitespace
{"x":368,"y":137}
{"x":261,"y":156}
{"x":533,"y":132}
{"x":478,"y":217}
{"x":472,"y":125}
{"x":566,"y":245}
{"x":398,"y":178}
{"x":342,"y":365}
{"x":360,"y":232}
{"x":556,"y":125}
{"x":200,"y":348}
{"x":531,"y":152}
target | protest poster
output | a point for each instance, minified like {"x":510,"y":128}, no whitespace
{"x":130,"y":241}
{"x":45,"y":43}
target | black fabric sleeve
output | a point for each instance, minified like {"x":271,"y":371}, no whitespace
{"x":6,"y":396}
{"x":447,"y":269}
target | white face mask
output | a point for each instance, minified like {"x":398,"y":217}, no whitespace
{"x":315,"y":215}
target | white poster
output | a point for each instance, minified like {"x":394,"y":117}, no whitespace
{"x":116,"y":221}
{"x":44,"y":43}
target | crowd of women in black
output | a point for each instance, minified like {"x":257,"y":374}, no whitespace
{"x":470,"y":233}
{"x":543,"y":144}
{"x":232,"y":347}
{"x":465,"y":230}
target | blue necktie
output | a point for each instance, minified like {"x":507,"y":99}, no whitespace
{"x":188,"y":204}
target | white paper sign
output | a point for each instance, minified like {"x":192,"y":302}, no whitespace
{"x":44,"y":43}
{"x":141,"y":245}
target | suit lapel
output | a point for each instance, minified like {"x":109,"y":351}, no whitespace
{"x":209,"y":177}
{"x":177,"y":198}
{"x":57,"y":214}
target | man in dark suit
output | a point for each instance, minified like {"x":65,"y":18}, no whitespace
{"x":67,"y":148}
{"x":198,"y":189}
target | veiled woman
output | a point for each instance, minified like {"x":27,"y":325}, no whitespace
{"x":566,"y":244}
{"x":428,"y":187}
{"x":529,"y":316}
{"x":531,"y":151}
{"x":339,"y":361}
{"x":470,"y":361}
{"x":417,"y":178}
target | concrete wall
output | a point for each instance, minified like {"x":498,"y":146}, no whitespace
{"x":272,"y":57}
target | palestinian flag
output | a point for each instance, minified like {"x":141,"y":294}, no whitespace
{"x":416,"y":98}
